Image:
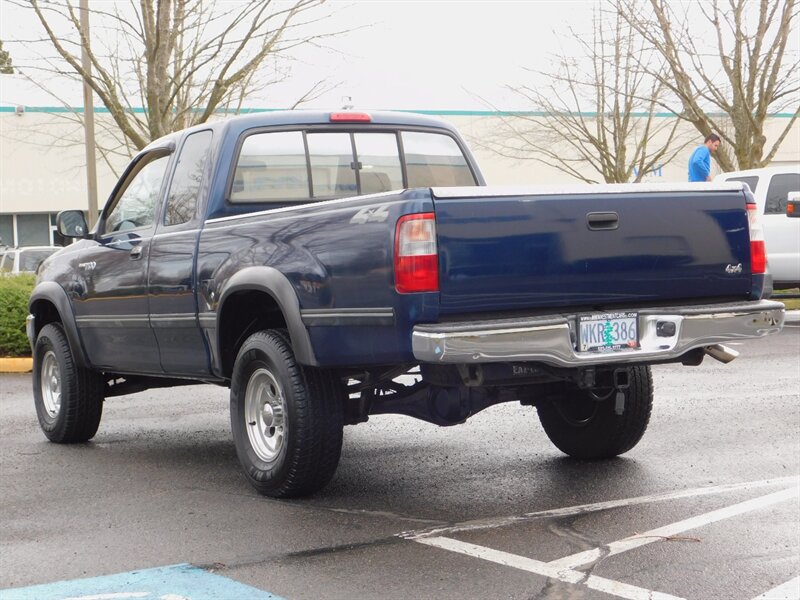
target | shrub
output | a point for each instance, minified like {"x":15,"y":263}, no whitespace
{"x":14,"y":293}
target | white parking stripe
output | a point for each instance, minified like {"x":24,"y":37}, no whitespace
{"x":788,"y":591}
{"x":615,"y":588}
{"x":654,"y":535}
{"x":586,"y":508}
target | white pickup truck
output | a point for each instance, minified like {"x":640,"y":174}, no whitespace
{"x":771,"y":187}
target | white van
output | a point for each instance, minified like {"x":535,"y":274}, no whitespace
{"x":771,"y":186}
{"x":24,"y":260}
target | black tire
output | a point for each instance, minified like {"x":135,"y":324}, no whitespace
{"x":68,"y":398}
{"x":583,"y":427}
{"x":288,"y":431}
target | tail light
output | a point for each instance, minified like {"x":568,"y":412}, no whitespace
{"x":758,"y":250}
{"x":350,"y":117}
{"x":416,"y":258}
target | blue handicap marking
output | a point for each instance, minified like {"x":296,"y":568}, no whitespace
{"x":177,"y":582}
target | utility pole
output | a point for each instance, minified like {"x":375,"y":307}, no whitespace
{"x":88,"y":116}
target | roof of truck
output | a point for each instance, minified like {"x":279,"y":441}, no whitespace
{"x":280,"y":118}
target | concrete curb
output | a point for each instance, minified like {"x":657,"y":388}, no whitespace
{"x":16,"y":365}
{"x":792,"y":316}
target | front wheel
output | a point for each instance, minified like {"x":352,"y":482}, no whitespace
{"x":584,"y":427}
{"x":286,"y":419}
{"x":68,"y":398}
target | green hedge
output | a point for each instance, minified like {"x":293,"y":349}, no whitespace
{"x":14,"y":293}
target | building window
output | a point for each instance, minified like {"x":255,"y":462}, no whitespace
{"x":6,"y":230}
{"x":33,"y":230}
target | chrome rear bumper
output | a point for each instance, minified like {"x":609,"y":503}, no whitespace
{"x":552,"y":339}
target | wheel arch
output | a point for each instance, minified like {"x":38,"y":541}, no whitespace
{"x":49,"y":304}
{"x":259,"y":298}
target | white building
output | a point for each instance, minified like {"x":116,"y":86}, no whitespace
{"x":42,"y":164}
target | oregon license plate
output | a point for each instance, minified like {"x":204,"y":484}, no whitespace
{"x":608,"y":332}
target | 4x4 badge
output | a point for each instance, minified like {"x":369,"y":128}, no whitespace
{"x":732,"y":270}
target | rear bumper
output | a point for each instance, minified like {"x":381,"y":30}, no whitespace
{"x":552,"y":339}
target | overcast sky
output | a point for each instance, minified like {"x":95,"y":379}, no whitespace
{"x":435,"y":54}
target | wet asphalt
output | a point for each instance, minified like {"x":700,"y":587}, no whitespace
{"x":160,"y":485}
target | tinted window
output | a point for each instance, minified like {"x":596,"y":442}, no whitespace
{"x":275,"y":166}
{"x":751,"y":181}
{"x":332,"y":166}
{"x":779,"y":189}
{"x":29,"y":260}
{"x":271,"y":166}
{"x":379,"y":158}
{"x":136,"y":206}
{"x":182,"y":201}
{"x":434,"y":160}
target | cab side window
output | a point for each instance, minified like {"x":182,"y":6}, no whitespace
{"x":137,"y":203}
{"x":185,"y":187}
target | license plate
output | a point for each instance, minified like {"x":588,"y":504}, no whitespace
{"x":608,"y":332}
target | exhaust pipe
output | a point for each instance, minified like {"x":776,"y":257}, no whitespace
{"x":721,"y":353}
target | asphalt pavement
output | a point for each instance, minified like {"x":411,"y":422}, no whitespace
{"x":706,"y":506}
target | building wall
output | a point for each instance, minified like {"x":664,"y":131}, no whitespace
{"x":42,"y":164}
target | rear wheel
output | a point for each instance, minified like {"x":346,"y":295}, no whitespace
{"x":584,"y":427}
{"x":286,"y":419}
{"x":68,"y":398}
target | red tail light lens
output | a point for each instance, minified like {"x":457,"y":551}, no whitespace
{"x":758,"y":250}
{"x":416,"y":257}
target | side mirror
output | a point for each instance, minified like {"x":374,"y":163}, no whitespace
{"x":72,"y":224}
{"x":793,"y":205}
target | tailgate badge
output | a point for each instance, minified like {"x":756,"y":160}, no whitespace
{"x":733,"y":270}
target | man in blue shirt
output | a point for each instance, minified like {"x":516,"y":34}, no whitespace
{"x":700,"y":161}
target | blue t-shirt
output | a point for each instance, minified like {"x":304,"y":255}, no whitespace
{"x":700,"y":164}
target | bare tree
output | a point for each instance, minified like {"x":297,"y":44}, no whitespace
{"x":596,"y":111}
{"x":736,"y":83}
{"x":182,"y":60}
{"x":6,"y":66}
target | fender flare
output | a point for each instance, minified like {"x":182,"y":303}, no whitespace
{"x":273,"y":282}
{"x":51,"y":292}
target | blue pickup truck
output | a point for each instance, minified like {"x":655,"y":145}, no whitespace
{"x":331,"y":266}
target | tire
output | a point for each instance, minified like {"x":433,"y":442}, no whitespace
{"x":287,"y":420}
{"x":586,"y":428}
{"x":68,"y":398}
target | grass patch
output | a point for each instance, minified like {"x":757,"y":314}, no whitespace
{"x":791,"y":303}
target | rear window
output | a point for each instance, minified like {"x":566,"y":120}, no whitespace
{"x":778,"y":192}
{"x":298,"y":166}
{"x":751,"y":181}
{"x":435,"y":161}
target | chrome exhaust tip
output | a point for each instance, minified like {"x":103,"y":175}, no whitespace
{"x":721,"y":353}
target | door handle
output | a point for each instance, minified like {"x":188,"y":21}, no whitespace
{"x":136,"y":253}
{"x":602,"y":221}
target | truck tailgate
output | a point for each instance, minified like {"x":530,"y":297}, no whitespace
{"x":603,"y":245}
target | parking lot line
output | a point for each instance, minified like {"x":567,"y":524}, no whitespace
{"x":608,"y":586}
{"x":661,"y":533}
{"x":564,"y":569}
{"x":788,"y":591}
{"x":495,"y":522}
